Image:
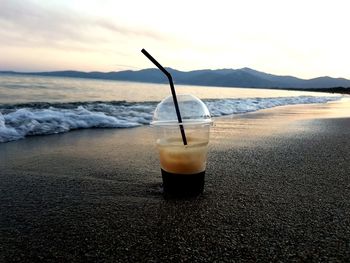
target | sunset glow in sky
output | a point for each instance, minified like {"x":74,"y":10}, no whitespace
{"x":304,"y":38}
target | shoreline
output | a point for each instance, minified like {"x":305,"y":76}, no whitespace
{"x":67,"y":118}
{"x":277,"y":188}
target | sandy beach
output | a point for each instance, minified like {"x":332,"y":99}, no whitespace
{"x":277,"y":189}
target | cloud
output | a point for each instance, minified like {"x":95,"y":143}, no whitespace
{"x":108,"y":25}
{"x":25,"y":23}
{"x":36,"y":21}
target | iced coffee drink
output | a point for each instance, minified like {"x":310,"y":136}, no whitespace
{"x":182,"y":166}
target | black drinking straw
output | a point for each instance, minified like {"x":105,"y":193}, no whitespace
{"x":155,"y":62}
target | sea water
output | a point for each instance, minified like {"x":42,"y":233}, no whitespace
{"x":33,"y":105}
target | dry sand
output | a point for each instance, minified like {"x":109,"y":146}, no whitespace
{"x":277,"y":189}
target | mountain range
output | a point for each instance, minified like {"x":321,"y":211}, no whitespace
{"x":243,"y":77}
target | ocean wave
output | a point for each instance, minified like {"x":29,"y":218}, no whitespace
{"x":20,"y":120}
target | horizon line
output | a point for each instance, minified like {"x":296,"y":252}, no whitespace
{"x":186,"y":71}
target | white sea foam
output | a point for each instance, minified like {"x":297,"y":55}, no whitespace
{"x":236,"y":106}
{"x":24,"y":122}
{"x":19,"y":121}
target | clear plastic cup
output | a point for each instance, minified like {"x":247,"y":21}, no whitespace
{"x":182,"y":166}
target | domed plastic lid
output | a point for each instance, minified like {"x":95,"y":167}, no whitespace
{"x":192,"y":110}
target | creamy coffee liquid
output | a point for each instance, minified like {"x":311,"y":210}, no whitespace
{"x":180,"y":159}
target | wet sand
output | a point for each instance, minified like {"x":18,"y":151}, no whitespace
{"x":277,"y":189}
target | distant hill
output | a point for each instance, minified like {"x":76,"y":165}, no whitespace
{"x":244,"y":77}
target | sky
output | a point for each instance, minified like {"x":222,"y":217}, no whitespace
{"x":303,"y":38}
